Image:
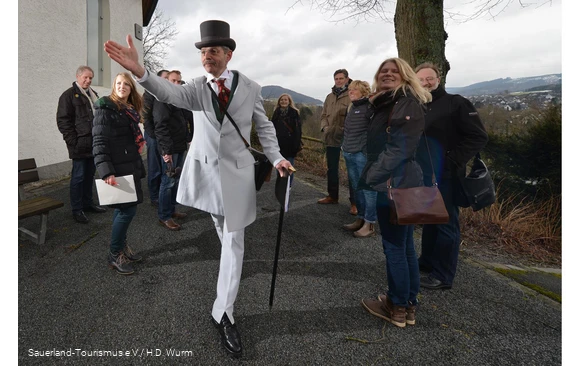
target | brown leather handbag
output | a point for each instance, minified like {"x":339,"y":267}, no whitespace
{"x":417,"y":205}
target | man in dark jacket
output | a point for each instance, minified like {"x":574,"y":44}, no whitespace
{"x":152,"y":155}
{"x":75,"y":120}
{"x":454,"y":134}
{"x":170,"y":130}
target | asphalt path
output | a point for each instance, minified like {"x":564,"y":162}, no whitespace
{"x":71,"y":304}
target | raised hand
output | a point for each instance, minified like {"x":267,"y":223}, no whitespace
{"x":127,"y":57}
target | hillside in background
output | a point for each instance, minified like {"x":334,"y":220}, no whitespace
{"x":552,"y":82}
{"x":272,"y":92}
{"x":509,"y":85}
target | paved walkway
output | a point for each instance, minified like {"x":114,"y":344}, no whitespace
{"x":70,"y":301}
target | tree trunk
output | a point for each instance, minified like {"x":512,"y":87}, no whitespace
{"x":420,"y":33}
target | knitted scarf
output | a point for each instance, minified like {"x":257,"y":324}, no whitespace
{"x":135,"y":119}
{"x":337,"y":91}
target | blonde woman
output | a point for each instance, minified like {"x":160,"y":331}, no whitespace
{"x":287,"y":122}
{"x":117,"y":144}
{"x":396,"y":126}
{"x":355,"y":131}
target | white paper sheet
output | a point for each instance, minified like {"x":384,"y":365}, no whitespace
{"x":124,"y":192}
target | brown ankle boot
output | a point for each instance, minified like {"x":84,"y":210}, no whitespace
{"x":410,"y":310}
{"x":397,"y":314}
{"x":410,"y":314}
{"x":366,"y":230}
{"x":358,"y":223}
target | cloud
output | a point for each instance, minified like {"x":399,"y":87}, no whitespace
{"x":299,"y":48}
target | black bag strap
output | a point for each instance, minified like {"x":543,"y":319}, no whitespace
{"x":224,"y":110}
{"x":434,"y":179}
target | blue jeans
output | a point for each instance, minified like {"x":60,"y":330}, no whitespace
{"x":440,"y":243}
{"x":401,"y":259}
{"x":81,"y":184}
{"x":122,"y":219}
{"x":365,"y":200}
{"x":167,"y":198}
{"x":154,"y":167}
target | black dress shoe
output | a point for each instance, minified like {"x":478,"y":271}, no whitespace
{"x":95,"y":208}
{"x":80,"y":217}
{"x":432,"y":283}
{"x":229,"y":335}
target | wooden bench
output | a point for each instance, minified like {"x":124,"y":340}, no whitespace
{"x":38,"y":206}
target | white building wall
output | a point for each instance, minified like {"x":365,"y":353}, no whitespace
{"x":52,"y":44}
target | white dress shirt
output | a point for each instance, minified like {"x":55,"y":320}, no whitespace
{"x":227,"y":75}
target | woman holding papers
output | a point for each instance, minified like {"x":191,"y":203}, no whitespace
{"x":117,"y":144}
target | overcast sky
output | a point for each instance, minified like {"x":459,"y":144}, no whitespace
{"x":299,"y":48}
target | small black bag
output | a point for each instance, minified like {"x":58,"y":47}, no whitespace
{"x":477,"y":186}
{"x":262,"y":168}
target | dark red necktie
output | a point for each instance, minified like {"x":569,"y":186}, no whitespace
{"x":223,"y":93}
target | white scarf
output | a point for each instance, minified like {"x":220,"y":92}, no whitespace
{"x":89,"y":95}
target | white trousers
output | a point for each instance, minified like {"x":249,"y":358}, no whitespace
{"x":230,"y":269}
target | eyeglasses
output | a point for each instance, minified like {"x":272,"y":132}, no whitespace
{"x":430,"y":79}
{"x":211,"y":51}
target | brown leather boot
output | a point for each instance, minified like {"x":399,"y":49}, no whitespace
{"x":397,"y":314}
{"x":328,"y":200}
{"x":366,"y":230}
{"x":353,"y":210}
{"x":356,"y":225}
{"x":410,"y":310}
{"x":410,"y":314}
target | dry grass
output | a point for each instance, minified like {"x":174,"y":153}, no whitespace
{"x":312,"y":159}
{"x":519,"y":227}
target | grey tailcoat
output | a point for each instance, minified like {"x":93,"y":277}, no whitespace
{"x":218,"y":173}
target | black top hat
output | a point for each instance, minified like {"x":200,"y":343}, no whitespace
{"x":215,"y":33}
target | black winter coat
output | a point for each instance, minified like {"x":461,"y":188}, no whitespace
{"x":170,"y":128}
{"x":74,"y":120}
{"x":454,"y":133}
{"x":396,"y":126}
{"x":114,"y":148}
{"x":288,"y":131}
{"x":147,"y":102}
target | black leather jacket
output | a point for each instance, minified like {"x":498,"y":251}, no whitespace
{"x":74,"y":120}
{"x":170,"y":128}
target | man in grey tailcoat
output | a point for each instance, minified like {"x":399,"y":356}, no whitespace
{"x":218,"y":172}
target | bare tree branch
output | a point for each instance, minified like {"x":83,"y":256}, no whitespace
{"x":491,"y":9}
{"x":157,"y":38}
{"x":366,"y":10}
{"x":345,"y":10}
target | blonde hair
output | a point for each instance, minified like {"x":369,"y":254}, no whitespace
{"x":362,"y":86}
{"x":410,"y":82}
{"x":134,"y":99}
{"x":291,"y":103}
